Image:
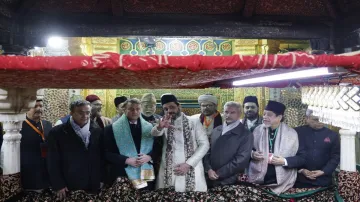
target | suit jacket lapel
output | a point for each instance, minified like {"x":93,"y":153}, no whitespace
{"x":237,"y":130}
{"x":216,"y":134}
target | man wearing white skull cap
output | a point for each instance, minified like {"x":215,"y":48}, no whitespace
{"x":209,"y":118}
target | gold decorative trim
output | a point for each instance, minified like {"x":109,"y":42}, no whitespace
{"x":147,"y":175}
{"x":138,"y":184}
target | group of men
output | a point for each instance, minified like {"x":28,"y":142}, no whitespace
{"x":187,"y":153}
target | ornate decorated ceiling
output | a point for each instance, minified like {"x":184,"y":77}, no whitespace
{"x":244,"y":7}
{"x":260,"y":7}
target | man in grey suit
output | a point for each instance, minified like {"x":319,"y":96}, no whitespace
{"x":231,"y":145}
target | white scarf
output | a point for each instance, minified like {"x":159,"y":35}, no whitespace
{"x":83,"y":133}
{"x":250,"y":123}
{"x":227,"y":128}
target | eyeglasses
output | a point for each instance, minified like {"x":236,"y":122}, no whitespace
{"x":207,"y":106}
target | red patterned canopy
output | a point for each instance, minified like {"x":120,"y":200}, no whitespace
{"x":111,"y":70}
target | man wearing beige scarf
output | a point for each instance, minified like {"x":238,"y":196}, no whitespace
{"x":275,"y":146}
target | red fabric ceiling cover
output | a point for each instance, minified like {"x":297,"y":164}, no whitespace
{"x":111,"y":70}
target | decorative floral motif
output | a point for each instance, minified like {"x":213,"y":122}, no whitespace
{"x":192,"y":46}
{"x":226,"y":46}
{"x":159,"y":45}
{"x":122,"y":190}
{"x":349,"y":185}
{"x":125,"y":45}
{"x":176,"y":46}
{"x":209,"y":46}
{"x":10,"y":186}
{"x":141,"y":45}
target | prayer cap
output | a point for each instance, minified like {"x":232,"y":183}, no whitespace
{"x":252,"y":99}
{"x":148,"y":97}
{"x":119,"y":100}
{"x":207,"y":98}
{"x":166,"y":98}
{"x":276,"y":107}
{"x":92,"y":98}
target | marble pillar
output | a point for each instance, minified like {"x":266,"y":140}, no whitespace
{"x":348,"y":151}
{"x":14,"y":103}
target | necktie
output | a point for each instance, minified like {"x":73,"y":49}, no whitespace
{"x":132,"y":126}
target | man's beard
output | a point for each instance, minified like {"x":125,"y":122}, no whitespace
{"x":175,"y":115}
{"x":148,"y":114}
{"x":251,"y":116}
{"x":209,"y":112}
{"x":96,"y":113}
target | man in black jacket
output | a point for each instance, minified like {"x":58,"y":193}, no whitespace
{"x":323,"y":153}
{"x":34,"y":133}
{"x":231,"y":145}
{"x":75,"y":154}
{"x":128,"y":147}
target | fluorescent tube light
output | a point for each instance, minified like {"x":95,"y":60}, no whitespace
{"x":285,"y":76}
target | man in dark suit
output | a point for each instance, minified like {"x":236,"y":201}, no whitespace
{"x":128,"y":147}
{"x":33,"y":147}
{"x":231,"y":145}
{"x":75,"y":154}
{"x":323,"y":153}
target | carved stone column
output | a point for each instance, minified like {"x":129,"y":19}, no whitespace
{"x":14,"y":103}
{"x":348,"y":151}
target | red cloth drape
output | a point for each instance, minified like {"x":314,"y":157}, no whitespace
{"x":111,"y":70}
{"x":193,"y":63}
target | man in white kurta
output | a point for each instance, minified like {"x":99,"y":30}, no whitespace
{"x":185,"y":145}
{"x":210,"y":117}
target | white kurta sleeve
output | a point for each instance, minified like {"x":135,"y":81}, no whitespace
{"x":155,"y":132}
{"x":203,"y":146}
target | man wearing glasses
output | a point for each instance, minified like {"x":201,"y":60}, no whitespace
{"x":210,"y":117}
